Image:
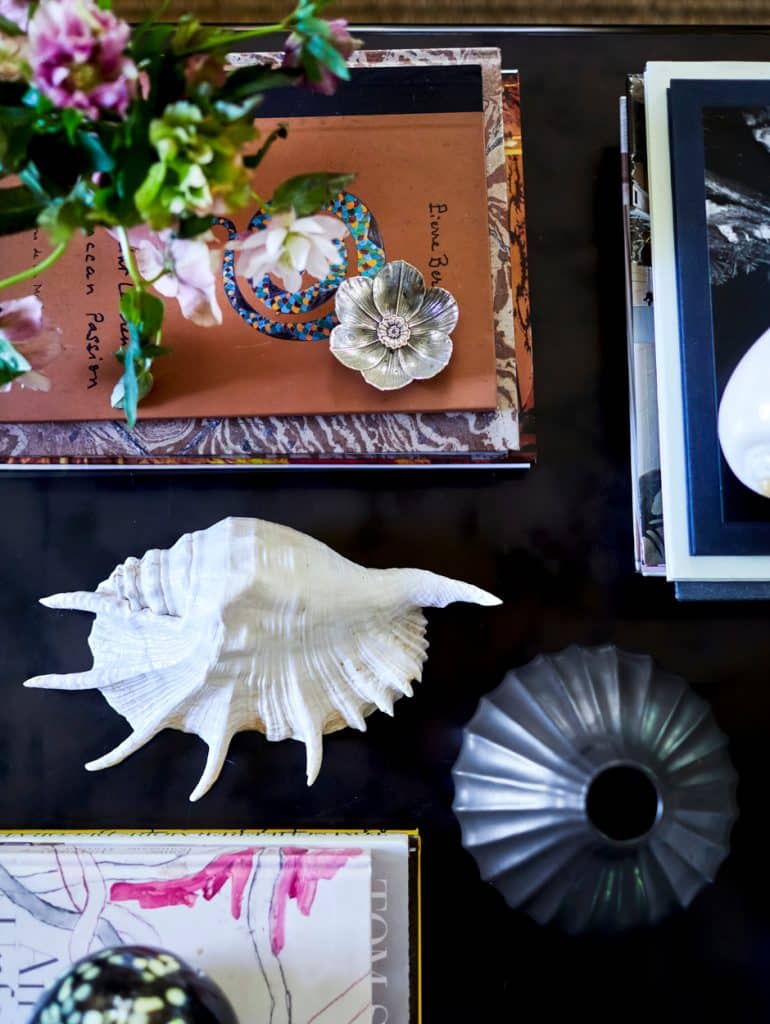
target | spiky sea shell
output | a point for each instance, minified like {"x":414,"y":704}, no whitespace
{"x":252,"y":625}
{"x":536,"y":749}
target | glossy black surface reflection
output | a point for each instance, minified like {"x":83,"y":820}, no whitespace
{"x":555,"y":544}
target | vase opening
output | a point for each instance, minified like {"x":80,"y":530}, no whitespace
{"x":623,"y":802}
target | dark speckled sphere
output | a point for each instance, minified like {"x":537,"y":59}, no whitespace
{"x":133,"y":985}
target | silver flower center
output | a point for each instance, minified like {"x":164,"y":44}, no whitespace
{"x":393,"y":331}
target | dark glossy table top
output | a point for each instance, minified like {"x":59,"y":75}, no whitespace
{"x":555,"y":543}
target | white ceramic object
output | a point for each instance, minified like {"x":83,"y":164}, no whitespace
{"x":744,"y":418}
{"x":251,"y":625}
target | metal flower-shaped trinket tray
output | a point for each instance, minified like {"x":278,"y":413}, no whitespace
{"x":392,"y":329}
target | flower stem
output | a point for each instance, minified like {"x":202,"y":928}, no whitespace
{"x":38,"y":268}
{"x":128,"y":257}
{"x":225,"y":38}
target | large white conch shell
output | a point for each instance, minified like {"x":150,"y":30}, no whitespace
{"x":251,"y":625}
{"x":744,"y":418}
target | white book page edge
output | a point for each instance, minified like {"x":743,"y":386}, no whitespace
{"x":680,"y":564}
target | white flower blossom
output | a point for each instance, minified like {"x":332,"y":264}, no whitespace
{"x":288,"y":247}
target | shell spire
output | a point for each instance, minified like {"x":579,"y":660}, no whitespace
{"x":429,"y":590}
{"x":249,"y":625}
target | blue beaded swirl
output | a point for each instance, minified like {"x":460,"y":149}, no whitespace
{"x":370,"y":258}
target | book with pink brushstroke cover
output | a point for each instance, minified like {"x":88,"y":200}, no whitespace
{"x":258,"y":912}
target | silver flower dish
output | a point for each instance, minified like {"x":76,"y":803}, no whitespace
{"x":391,"y":328}
{"x":595,"y":790}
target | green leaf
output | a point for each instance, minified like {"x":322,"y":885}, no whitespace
{"x":147,"y":192}
{"x":156,"y":350}
{"x":100,"y":158}
{"x":142,"y":311}
{"x":125,"y":394}
{"x":104,"y":5}
{"x":313,"y":68}
{"x":144,"y":382}
{"x":148,"y":23}
{"x":226,"y":39}
{"x":30,"y":176}
{"x":71,"y":119}
{"x":144,"y":315}
{"x":12,"y":363}
{"x":65,"y":215}
{"x":10,"y":28}
{"x":154,"y":41}
{"x":17,"y":126}
{"x":19,"y":209}
{"x":244,"y":82}
{"x":189,"y":227}
{"x":188,"y":32}
{"x":328,"y":56}
{"x":307,"y":193}
{"x":255,"y":159}
{"x":230,"y":112}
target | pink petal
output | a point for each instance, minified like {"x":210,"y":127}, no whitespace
{"x":149,"y":260}
{"x":200,"y":307}
{"x":253,"y":265}
{"x":43,"y":348}
{"x":21,"y":318}
{"x":320,"y":224}
{"x":248,"y":241}
{"x":167,"y":285}
{"x":142,"y":234}
{"x":34,"y":381}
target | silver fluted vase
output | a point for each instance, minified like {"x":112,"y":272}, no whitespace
{"x":595,"y":790}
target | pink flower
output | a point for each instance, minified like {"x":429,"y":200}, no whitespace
{"x":21,"y":323}
{"x":21,"y":319}
{"x":288,"y":246}
{"x":76,"y":54}
{"x":16,"y":11}
{"x":339,"y":38}
{"x":187,"y":271}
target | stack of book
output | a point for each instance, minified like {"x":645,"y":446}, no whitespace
{"x":434,"y":140}
{"x":696,"y":188}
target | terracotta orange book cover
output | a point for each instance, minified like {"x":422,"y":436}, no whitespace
{"x":418,"y":156}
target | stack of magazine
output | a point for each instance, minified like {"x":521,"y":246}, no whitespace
{"x":695,"y":143}
{"x":433,"y":138}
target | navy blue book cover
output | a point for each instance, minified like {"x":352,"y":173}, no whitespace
{"x":720,"y":165}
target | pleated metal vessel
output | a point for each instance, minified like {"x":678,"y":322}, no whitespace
{"x":532,"y":752}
